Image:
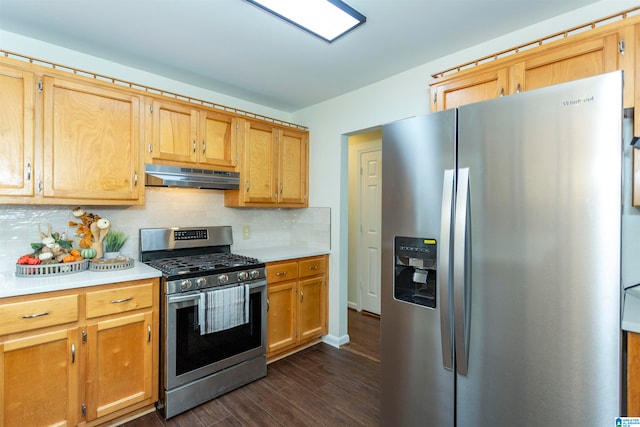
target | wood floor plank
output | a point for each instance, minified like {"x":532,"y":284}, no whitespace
{"x":246,"y":411}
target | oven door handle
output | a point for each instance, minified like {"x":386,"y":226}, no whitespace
{"x":182,"y":298}
{"x":173,"y":299}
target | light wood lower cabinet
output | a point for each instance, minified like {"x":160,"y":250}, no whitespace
{"x":297,"y":304}
{"x":633,"y":374}
{"x":39,"y":375}
{"x":81,"y":357}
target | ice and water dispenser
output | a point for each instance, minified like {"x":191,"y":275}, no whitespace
{"x":415,"y":270}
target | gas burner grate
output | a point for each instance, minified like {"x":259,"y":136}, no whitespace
{"x":208,"y":262}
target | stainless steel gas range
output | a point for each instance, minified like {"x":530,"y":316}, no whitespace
{"x":213,"y":314}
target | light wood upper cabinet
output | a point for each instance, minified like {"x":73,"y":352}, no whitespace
{"x":259,"y":172}
{"x":293,"y":167}
{"x":274,"y":167}
{"x":217,"y":134}
{"x":92,"y":139}
{"x":16,"y":132}
{"x":186,"y":135}
{"x":472,"y":88}
{"x":569,"y":61}
{"x":558,"y":62}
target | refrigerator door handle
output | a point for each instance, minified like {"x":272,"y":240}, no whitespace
{"x":461,"y":272}
{"x":444,"y":270}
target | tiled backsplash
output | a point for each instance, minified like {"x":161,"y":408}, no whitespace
{"x":167,"y":207}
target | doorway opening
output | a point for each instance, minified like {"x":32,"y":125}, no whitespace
{"x":364,"y":222}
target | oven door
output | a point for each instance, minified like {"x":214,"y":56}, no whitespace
{"x":190,"y":355}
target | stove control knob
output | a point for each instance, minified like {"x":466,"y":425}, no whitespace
{"x":223,"y":278}
{"x":185,"y":285}
{"x":254,"y":274}
{"x":201,"y":282}
{"x":243,"y":275}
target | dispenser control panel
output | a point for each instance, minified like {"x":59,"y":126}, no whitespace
{"x":416,"y":270}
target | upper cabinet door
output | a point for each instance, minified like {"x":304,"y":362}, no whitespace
{"x":570,"y":61}
{"x":183,"y":135}
{"x":217,"y":137}
{"x":472,"y":88}
{"x":91,"y":143}
{"x":175,"y":132}
{"x":293,"y":167}
{"x":259,"y":171}
{"x":16,"y":132}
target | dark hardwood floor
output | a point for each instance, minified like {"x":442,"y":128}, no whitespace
{"x":319,"y":386}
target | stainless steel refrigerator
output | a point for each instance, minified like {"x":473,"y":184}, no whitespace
{"x":501,"y":235}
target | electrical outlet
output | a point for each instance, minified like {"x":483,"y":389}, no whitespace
{"x":246,"y":232}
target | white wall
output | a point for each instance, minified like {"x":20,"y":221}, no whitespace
{"x":403,"y":95}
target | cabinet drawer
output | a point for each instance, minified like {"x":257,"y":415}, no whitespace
{"x":313,"y":266}
{"x":119,"y":300}
{"x":281,"y":272}
{"x":40,"y":313}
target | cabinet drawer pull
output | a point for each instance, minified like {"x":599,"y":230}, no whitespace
{"x":73,"y":353}
{"x":119,"y":301}
{"x":313,"y":267}
{"x":195,"y":146}
{"x":281,"y":273}
{"x":301,"y":296}
{"x":148,"y":333}
{"x":31,"y":316}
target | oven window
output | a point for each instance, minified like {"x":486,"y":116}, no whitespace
{"x":194,"y":351}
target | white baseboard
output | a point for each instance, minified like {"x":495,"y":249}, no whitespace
{"x":335,"y":341}
{"x":352,"y":305}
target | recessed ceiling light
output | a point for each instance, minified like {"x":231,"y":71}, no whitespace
{"x":327,"y":19}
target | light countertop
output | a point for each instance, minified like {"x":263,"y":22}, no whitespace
{"x":11,"y":285}
{"x":280,"y":253}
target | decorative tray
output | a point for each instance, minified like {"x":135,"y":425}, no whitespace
{"x":40,"y":270}
{"x":111,"y":264}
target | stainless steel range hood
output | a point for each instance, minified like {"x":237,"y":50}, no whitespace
{"x":175,"y":176}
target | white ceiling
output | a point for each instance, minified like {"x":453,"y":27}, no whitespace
{"x":234,"y":48}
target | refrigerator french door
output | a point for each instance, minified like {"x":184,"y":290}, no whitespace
{"x":501,"y":234}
